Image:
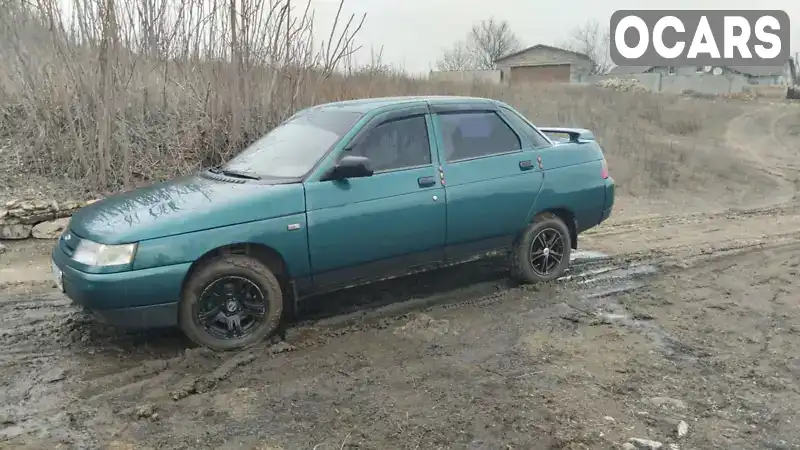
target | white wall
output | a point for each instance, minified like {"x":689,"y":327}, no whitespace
{"x":676,"y":84}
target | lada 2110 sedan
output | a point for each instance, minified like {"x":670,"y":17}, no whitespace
{"x":339,"y":194}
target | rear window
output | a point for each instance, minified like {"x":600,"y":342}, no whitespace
{"x":468,"y":135}
{"x":475,"y":125}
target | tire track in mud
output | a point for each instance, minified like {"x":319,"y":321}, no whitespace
{"x":756,"y":135}
{"x":49,"y":323}
{"x":680,"y":236}
{"x":115,"y":368}
{"x":103,"y":368}
{"x":167,"y":374}
{"x":777,"y":218}
{"x":736,"y":317}
{"x":125,"y":385}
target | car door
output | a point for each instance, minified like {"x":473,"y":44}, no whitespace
{"x":370,"y":227}
{"x":492,"y":178}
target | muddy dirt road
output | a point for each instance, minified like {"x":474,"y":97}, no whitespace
{"x":681,"y":328}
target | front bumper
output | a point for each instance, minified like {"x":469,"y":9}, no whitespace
{"x":146,"y":298}
{"x":140,"y":317}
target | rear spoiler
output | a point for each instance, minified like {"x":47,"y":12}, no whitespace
{"x":576,"y":135}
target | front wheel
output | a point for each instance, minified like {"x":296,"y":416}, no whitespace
{"x":543,"y":251}
{"x":230,"y":303}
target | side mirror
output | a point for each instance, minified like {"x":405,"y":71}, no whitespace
{"x":350,"y":167}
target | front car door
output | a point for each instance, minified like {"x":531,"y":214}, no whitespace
{"x":362,"y":229}
{"x":492,"y":177}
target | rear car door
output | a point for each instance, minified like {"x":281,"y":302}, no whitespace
{"x":363,"y":228}
{"x":491,"y":175}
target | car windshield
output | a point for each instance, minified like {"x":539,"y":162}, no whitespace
{"x":292,"y":149}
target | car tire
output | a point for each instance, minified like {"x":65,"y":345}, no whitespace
{"x":256,"y":288}
{"x":529,"y":268}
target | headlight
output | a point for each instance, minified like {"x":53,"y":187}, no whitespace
{"x":100,"y":255}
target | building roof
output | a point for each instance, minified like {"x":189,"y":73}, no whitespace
{"x":760,"y":70}
{"x":746,"y":70}
{"x":542,"y":47}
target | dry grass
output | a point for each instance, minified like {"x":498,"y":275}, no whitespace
{"x":100,"y":106}
{"x":653,"y":142}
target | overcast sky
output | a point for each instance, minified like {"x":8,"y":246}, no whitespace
{"x":414,"y":33}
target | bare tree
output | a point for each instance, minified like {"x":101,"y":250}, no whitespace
{"x":457,"y":58}
{"x":490,"y":40}
{"x":487,"y":41}
{"x":106,"y":91}
{"x":593,"y":40}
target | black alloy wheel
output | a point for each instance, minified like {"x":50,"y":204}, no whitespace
{"x":231,"y":307}
{"x":542,"y":251}
{"x":546,"y":252}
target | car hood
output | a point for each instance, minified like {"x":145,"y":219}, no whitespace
{"x":183,"y":205}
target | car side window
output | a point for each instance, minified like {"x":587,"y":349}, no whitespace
{"x":397,"y":144}
{"x":475,"y":134}
{"x":537,"y":140}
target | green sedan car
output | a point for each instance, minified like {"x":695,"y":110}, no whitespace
{"x":338,"y":195}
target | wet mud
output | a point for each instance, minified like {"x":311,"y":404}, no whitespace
{"x":460,"y":358}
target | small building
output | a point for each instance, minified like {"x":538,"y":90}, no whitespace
{"x":543,"y":63}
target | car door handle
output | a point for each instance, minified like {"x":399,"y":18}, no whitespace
{"x":525,"y":165}
{"x":426,"y":181}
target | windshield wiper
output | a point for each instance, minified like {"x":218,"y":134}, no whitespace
{"x":234,"y":173}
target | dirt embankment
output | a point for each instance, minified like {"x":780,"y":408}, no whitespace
{"x":673,"y":326}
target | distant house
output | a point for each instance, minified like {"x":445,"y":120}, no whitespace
{"x":543,"y":63}
{"x":735,"y":75}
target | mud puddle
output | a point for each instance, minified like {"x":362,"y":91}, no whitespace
{"x":480,"y":282}
{"x":602,"y":284}
{"x":51,"y":319}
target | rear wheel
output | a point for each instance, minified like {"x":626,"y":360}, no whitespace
{"x":543,"y":251}
{"x":230,"y":303}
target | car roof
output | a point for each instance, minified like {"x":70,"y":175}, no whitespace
{"x":365,"y":105}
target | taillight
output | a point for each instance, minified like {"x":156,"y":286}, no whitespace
{"x":604,"y":170}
